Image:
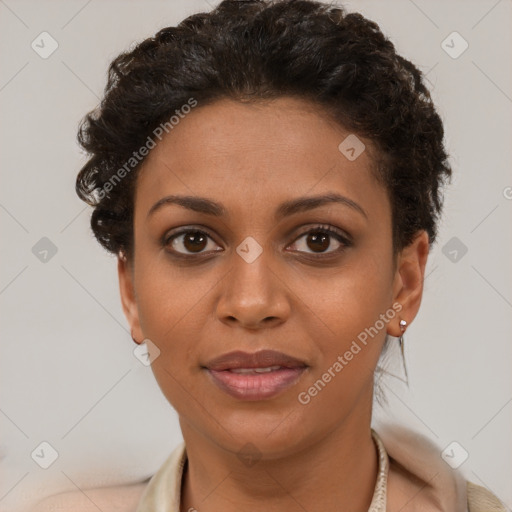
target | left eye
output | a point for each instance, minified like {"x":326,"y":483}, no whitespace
{"x":319,"y":240}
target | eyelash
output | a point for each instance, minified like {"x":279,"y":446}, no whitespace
{"x":324,"y":229}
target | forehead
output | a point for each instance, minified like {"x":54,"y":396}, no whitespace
{"x":258,"y":153}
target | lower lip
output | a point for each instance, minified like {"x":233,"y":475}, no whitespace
{"x":257,"y":386}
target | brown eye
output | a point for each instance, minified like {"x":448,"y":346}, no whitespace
{"x":188,"y":242}
{"x":195,"y":241}
{"x":320,"y":240}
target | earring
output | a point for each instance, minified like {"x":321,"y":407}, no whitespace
{"x":403,"y":326}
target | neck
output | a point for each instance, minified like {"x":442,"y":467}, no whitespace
{"x":337,"y":471}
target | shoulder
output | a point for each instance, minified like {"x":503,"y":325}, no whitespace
{"x":420,"y":479}
{"x":481,"y":499}
{"x":121,"y":498}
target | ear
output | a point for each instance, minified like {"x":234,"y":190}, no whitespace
{"x":127,"y":290}
{"x":408,"y":281}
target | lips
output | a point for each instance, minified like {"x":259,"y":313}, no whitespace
{"x":261,"y":359}
{"x":257,"y":376}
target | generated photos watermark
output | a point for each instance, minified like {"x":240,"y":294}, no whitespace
{"x":143,"y":151}
{"x":304,"y":397}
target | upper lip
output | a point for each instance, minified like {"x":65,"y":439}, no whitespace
{"x":261,"y":359}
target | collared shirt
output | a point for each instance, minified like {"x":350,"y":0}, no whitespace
{"x":445,"y":489}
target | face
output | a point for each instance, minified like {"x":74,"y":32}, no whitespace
{"x":257,"y":267}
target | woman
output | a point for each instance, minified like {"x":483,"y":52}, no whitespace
{"x":269,"y":176}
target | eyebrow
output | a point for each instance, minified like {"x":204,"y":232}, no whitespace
{"x":291,"y":207}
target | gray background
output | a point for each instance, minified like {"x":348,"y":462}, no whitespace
{"x":68,"y":373}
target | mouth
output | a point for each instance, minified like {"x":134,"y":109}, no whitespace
{"x":257,"y":376}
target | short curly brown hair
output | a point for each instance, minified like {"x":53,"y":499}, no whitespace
{"x":261,"y":49}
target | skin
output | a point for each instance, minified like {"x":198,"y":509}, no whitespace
{"x":251,"y":157}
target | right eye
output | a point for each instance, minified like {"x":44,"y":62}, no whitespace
{"x":187,"y":242}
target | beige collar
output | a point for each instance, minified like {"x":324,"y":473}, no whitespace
{"x":164,"y":489}
{"x":378,"y":503}
{"x":444,"y":489}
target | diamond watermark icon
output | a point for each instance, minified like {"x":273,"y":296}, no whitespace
{"x":249,"y":454}
{"x":249,"y":249}
{"x":44,"y":45}
{"x":454,"y":45}
{"x":454,"y":455}
{"x":351,"y":147}
{"x":454,"y":249}
{"x":44,"y":250}
{"x":44,"y":455}
{"x":146,"y":352}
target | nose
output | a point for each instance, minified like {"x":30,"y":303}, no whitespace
{"x":253,"y":295}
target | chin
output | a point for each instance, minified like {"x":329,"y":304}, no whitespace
{"x":273,"y":433}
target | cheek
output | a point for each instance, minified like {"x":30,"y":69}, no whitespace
{"x":356,"y":308}
{"x":171,"y":302}
{"x":348,"y":299}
